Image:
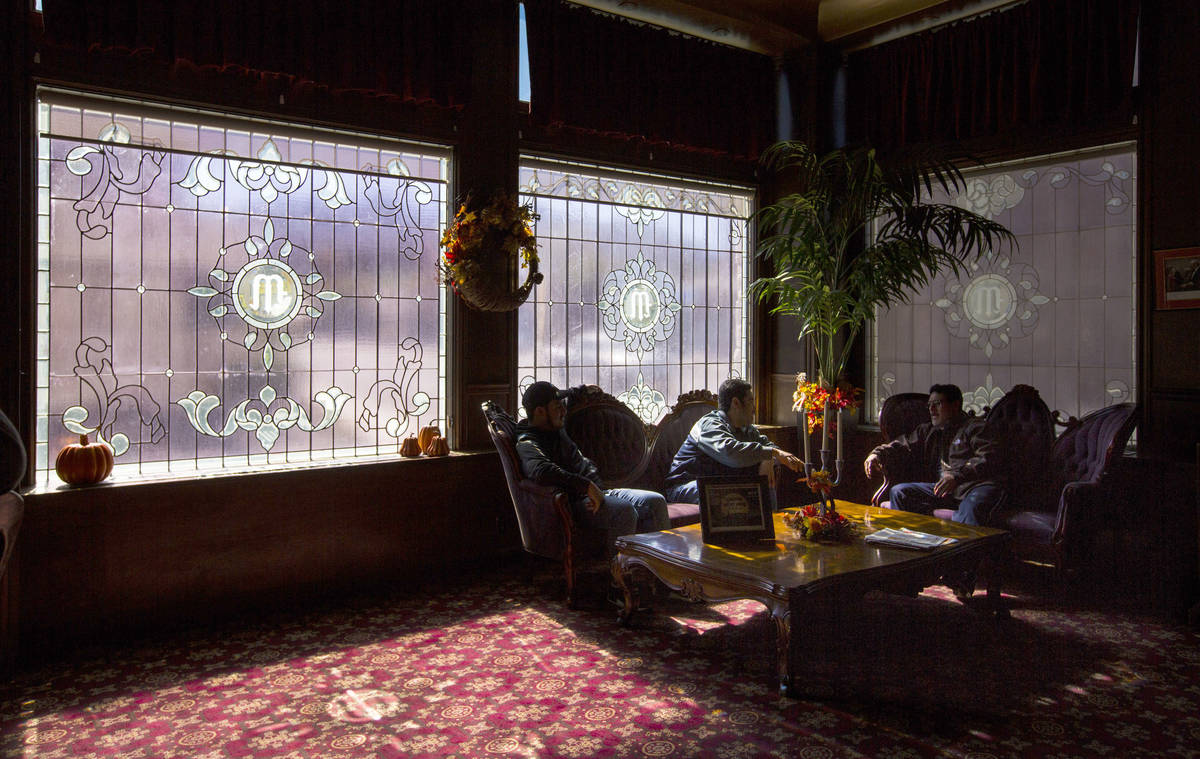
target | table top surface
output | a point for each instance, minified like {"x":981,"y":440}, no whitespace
{"x":790,"y":562}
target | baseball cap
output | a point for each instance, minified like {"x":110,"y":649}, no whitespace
{"x":539,"y":394}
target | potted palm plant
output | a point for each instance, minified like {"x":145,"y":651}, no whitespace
{"x":825,"y":269}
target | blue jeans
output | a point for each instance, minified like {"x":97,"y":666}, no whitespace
{"x":624,"y":512}
{"x":689,"y":492}
{"x":977,"y":507}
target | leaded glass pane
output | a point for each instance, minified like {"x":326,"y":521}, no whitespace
{"x":645,"y":289}
{"x":1057,"y":312}
{"x":229,"y":294}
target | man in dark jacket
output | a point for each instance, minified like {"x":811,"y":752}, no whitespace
{"x":549,"y":457}
{"x":961,"y":461}
{"x":725,"y":442}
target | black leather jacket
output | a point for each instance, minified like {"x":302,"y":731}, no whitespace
{"x":961,"y":449}
{"x":549,"y":457}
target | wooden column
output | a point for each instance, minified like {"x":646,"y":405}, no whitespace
{"x":18,"y":179}
{"x":483,"y":344}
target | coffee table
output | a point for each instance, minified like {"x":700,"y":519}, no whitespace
{"x":807,"y":586}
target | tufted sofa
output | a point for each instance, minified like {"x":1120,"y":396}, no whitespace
{"x":627,"y":452}
{"x":1084,"y":489}
{"x":1058,"y":488}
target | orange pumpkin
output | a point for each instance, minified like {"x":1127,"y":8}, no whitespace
{"x":409,"y":447}
{"x":425,"y":435}
{"x":84,"y":463}
{"x":437,"y":446}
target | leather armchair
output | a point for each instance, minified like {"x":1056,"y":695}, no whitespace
{"x":901,"y":414}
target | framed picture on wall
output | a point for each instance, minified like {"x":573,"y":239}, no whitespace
{"x":1177,"y":275}
{"x":735,"y":510}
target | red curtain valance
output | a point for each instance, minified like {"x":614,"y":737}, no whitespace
{"x":598,"y":72}
{"x":405,"y":48}
{"x":1048,"y":65}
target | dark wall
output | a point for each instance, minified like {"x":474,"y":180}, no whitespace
{"x":1170,"y":198}
{"x":1171,"y":206}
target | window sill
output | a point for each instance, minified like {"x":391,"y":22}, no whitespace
{"x":119,"y":481}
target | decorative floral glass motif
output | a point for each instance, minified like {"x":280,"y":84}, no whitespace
{"x":1057,"y":312}
{"x":645,"y":283}
{"x":219,"y":294}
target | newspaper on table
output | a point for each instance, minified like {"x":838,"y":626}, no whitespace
{"x":906,"y":538}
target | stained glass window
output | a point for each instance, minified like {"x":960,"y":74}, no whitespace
{"x":645,"y":289}
{"x":1057,"y":312}
{"x":225,"y":294}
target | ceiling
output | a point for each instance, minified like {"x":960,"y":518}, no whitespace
{"x":776,"y":27}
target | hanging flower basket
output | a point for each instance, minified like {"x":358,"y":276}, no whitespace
{"x":483,"y":250}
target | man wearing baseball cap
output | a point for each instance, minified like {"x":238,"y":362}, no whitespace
{"x":549,"y":457}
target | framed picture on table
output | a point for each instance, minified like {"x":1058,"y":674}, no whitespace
{"x":1177,"y":278}
{"x":735,"y":510}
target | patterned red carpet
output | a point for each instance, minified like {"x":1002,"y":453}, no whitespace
{"x":496,"y":666}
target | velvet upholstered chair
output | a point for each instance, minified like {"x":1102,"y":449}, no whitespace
{"x":1087,"y":489}
{"x":1059,"y":489}
{"x":1022,"y":422}
{"x":626,"y":452}
{"x":543,"y":512}
{"x":668,"y":435}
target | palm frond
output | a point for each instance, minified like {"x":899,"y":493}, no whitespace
{"x":806,"y":237}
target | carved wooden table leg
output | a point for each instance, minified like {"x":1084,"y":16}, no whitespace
{"x":782,"y":616}
{"x":999,"y":560}
{"x":621,"y":572}
{"x":814,"y":619}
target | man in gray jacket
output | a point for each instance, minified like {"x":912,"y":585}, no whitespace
{"x":724,"y":442}
{"x":960,"y":460}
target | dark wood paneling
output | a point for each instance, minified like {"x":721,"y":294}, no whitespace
{"x":1176,"y":357}
{"x":96,"y":562}
{"x":1170,"y":195}
{"x":1175,"y":419}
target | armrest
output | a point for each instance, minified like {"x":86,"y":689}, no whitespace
{"x":896,"y":469}
{"x":882,"y":492}
{"x":536,"y":490}
{"x":1078,"y":505}
{"x":556,"y":497}
{"x":544,"y":516}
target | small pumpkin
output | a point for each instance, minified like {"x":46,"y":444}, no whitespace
{"x":409,"y":447}
{"x":426,"y":434}
{"x":84,"y":463}
{"x":437,"y":446}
